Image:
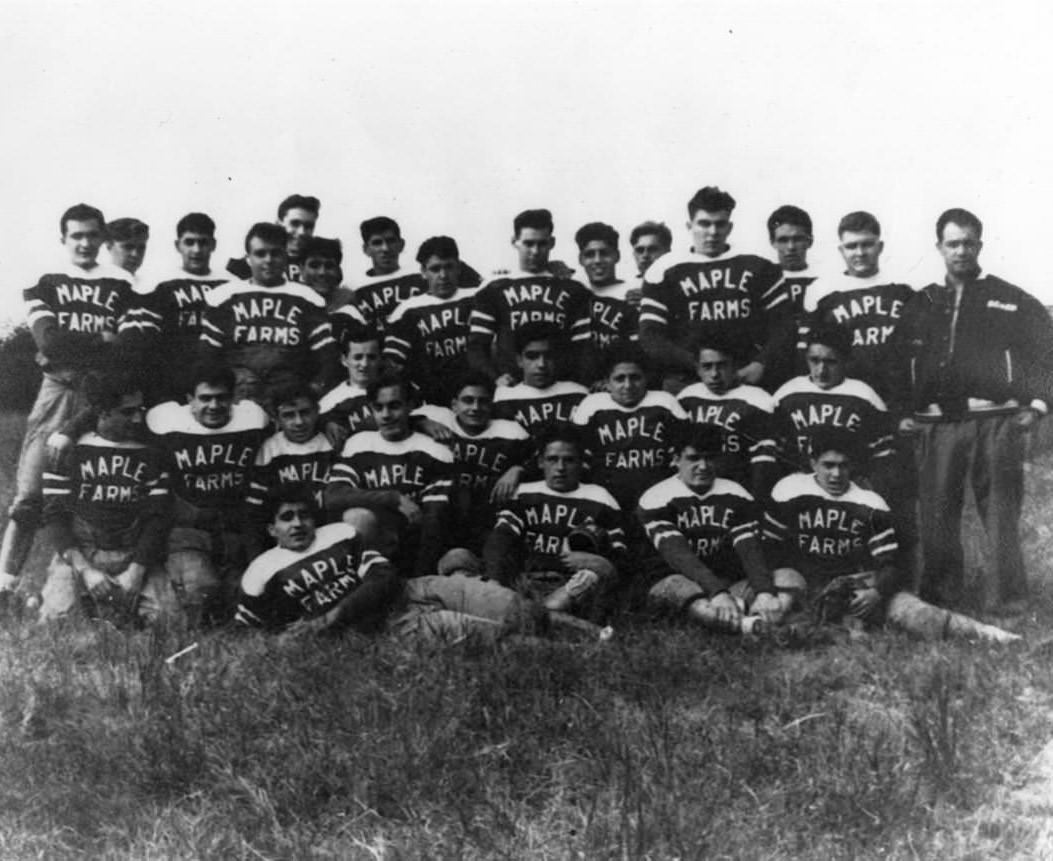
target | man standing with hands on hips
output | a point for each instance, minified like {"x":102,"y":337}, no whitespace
{"x":980,"y":375}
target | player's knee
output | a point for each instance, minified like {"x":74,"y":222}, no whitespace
{"x":26,"y":511}
{"x":790,"y":585}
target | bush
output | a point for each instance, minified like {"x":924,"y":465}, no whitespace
{"x":20,"y":379}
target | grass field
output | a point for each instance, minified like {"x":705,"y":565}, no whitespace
{"x":666,"y":742}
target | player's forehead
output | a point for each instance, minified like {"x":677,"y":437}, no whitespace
{"x":534,"y":234}
{"x":211,"y":390}
{"x":78,"y":227}
{"x":954,"y":232}
{"x":561,"y":449}
{"x":712,"y":216}
{"x":259,"y":244}
{"x":192,"y":237}
{"x":474,"y":393}
{"x":437,"y":262}
{"x":537,"y":348}
{"x":598,"y":246}
{"x":823,"y":351}
{"x":710,"y":356}
{"x":382,"y":237}
{"x":859,"y":237}
{"x":831,"y":457}
{"x":390,"y":395}
{"x":296,"y":405}
{"x":362,"y":349}
{"x":290,"y":510}
{"x":319,"y":261}
{"x":299,"y":215}
{"x":647,"y":241}
{"x":693,"y":453}
{"x":788,"y":230}
{"x":626,"y":369}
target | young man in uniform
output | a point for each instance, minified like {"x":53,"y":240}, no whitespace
{"x":345,"y":408}
{"x":649,"y":241}
{"x":613,"y":304}
{"x":126,"y":240}
{"x":790,"y":234}
{"x":297,"y":216}
{"x":322,"y":272}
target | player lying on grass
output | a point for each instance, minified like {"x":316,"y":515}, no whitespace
{"x":834,"y":542}
{"x":706,"y":531}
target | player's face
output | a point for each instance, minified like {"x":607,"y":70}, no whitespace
{"x":266,"y":261}
{"x":298,"y":419}
{"x":533,"y":246}
{"x":960,"y":249}
{"x":627,"y":384}
{"x":210,"y":405}
{"x":710,"y":231}
{"x":538,"y":364}
{"x":383,"y":249}
{"x":833,"y":472}
{"x":647,"y":250}
{"x":599,"y":259}
{"x":362,"y":361}
{"x":474,"y":407}
{"x":391,"y":412}
{"x":83,"y":239}
{"x":299,"y":224}
{"x":196,"y":251}
{"x":696,"y":469}
{"x":322,"y":274}
{"x":124,"y":423}
{"x":716,"y":370}
{"x":128,"y":254}
{"x":861,"y":252}
{"x":791,"y":243}
{"x":825,"y":366}
{"x":442,"y":275}
{"x":561,"y":466}
{"x":293,"y":526}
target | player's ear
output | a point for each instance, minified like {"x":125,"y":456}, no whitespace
{"x":731,"y":226}
{"x":880,"y":246}
{"x":272,"y":532}
{"x":175,"y":245}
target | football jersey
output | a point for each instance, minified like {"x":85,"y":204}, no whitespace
{"x":796,"y":285}
{"x":687,"y":297}
{"x":417,"y":466}
{"x":614,"y":319}
{"x":347,"y":404}
{"x":428,"y":336}
{"x":870,"y":309}
{"x":209,"y":467}
{"x":824,"y":536}
{"x":504,"y":304}
{"x":344,"y":319}
{"x":713,"y":523}
{"x":542,"y":518}
{"x":280,"y":461}
{"x":629,"y":448}
{"x":281,"y":586}
{"x":376,"y":296}
{"x":746,"y":416}
{"x":267,"y":328}
{"x":73,"y":310}
{"x":113,"y":487}
{"x":852,"y":406}
{"x":535,"y":408}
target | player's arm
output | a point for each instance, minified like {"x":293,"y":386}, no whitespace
{"x":373,"y":598}
{"x":745,"y":538}
{"x":675,"y":550}
{"x":654,"y":330}
{"x":482,"y":332}
{"x":503,"y":549}
{"x":434,"y":520}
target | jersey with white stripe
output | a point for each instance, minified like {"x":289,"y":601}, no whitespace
{"x":377,"y":296}
{"x":534,"y":408}
{"x":614,"y":319}
{"x":280,"y":461}
{"x":417,"y":466}
{"x":542,"y":518}
{"x":746,"y":416}
{"x":347,"y":404}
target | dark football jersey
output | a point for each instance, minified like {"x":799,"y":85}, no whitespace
{"x":614,"y":319}
{"x":282,"y":586}
{"x":377,"y":296}
{"x":280,"y":461}
{"x":629,"y":448}
{"x":417,"y":467}
{"x":347,"y":404}
{"x":535,"y":408}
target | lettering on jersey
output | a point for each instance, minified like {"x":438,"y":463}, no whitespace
{"x":715,"y":279}
{"x":830,"y":518}
{"x":86,"y":321}
{"x":826,"y":414}
{"x":701,"y":516}
{"x":393,"y":474}
{"x":538,"y":412}
{"x":487,"y":461}
{"x":212,"y":467}
{"x":380,"y":299}
{"x":91,"y":294}
{"x":321,"y":581}
{"x":189,"y":295}
{"x":631,"y":428}
{"x":721,"y":415}
{"x":552,"y":514}
{"x":113,"y":466}
{"x":311,"y":471}
{"x":719,"y":309}
{"x":636,"y":459}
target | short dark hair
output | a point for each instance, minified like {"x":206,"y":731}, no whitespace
{"x":123,"y":229}
{"x":961,"y":217}
{"x":703,"y":438}
{"x":652,"y":228}
{"x":104,"y":391}
{"x":789,"y":214}
{"x":537,"y":330}
{"x":835,"y":337}
{"x":288,"y":392}
{"x":299,"y":201}
{"x":356,"y":333}
{"x":710,"y":199}
{"x":474,"y":378}
{"x":721,"y":342}
{"x":623,"y":352}
{"x":272,"y":234}
{"x":289,"y":493}
{"x":82,"y":212}
{"x":859,"y":222}
{"x":561,"y":432}
{"x":380,"y":224}
{"x":320,"y":246}
{"x":443,"y":247}
{"x":596,"y":231}
{"x":195,"y":222}
{"x":532,"y":219}
{"x":211,"y":373}
{"x":387,"y":380}
{"x":825,"y":438}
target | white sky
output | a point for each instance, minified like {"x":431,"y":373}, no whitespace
{"x":453,"y":116}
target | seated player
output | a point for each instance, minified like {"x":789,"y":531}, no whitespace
{"x":297,"y":216}
{"x":106,"y":512}
{"x":393,"y":484}
{"x":536,"y":545}
{"x":209,"y":446}
{"x":126,"y":240}
{"x":322,"y":273}
{"x":827,"y":399}
{"x":744,"y":413}
{"x":427,"y":335}
{"x":488,"y":457}
{"x":613,"y":304}
{"x":837,"y":541}
{"x":706,"y":531}
{"x":540,"y":399}
{"x":270,"y":331}
{"x":298,"y":453}
{"x":714,"y":290}
{"x":628,"y":430}
{"x":345,"y":408}
{"x":649,"y":241}
{"x":534,"y":294}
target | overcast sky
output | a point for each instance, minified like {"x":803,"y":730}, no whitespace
{"x":453,"y":116}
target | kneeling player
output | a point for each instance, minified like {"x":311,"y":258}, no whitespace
{"x":707,"y":532}
{"x":836,"y":540}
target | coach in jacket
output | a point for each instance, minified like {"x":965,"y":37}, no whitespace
{"x":980,"y":376}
